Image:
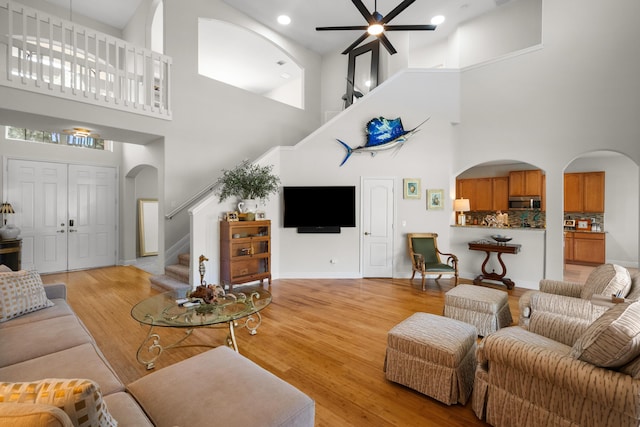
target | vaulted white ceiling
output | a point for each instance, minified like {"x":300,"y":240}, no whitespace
{"x":306,"y":15}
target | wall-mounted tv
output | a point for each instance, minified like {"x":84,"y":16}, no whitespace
{"x":319,"y":209}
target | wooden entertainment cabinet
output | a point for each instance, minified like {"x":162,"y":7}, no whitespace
{"x":245,"y":252}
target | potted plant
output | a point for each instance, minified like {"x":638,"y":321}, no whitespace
{"x":249,"y":183}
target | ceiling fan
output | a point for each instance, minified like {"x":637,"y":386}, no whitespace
{"x":377,"y":25}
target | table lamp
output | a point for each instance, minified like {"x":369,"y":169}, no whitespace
{"x":461,"y":205}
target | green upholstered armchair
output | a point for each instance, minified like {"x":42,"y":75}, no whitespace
{"x":425,"y":257}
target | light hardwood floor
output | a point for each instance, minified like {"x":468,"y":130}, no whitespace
{"x":326,"y":337}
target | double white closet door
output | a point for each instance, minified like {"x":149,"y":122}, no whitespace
{"x":66,"y":213}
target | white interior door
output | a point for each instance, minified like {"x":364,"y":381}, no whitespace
{"x":377,"y":226}
{"x":67,"y":214}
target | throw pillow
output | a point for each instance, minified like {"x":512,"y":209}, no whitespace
{"x":21,"y":292}
{"x":4,"y":269}
{"x":80,"y":399}
{"x":607,"y":279}
{"x":613,"y":339}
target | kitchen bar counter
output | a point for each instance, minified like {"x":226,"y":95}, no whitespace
{"x":526,"y":269}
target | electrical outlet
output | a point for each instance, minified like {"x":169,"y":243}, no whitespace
{"x":333,"y":261}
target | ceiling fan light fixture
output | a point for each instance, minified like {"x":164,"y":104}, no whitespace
{"x":375,"y":29}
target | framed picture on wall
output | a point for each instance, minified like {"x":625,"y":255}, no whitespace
{"x":435,"y":199}
{"x":411,"y":188}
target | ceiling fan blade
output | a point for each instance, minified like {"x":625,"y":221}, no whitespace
{"x":385,"y":41}
{"x":363,"y":10}
{"x":352,"y":27}
{"x":355,"y":43}
{"x":399,"y":8}
{"x":410,"y":27}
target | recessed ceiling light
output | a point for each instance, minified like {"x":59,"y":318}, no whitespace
{"x":437,"y":20}
{"x":284,"y":20}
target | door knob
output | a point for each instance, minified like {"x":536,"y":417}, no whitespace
{"x":366,"y":233}
{"x":60,"y":231}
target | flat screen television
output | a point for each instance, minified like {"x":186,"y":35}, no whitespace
{"x":319,"y":209}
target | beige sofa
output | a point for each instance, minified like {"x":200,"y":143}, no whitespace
{"x":571,"y":362}
{"x":52,"y":342}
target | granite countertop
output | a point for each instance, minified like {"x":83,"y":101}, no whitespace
{"x":499,"y":229}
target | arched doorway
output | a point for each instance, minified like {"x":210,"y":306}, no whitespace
{"x":141,"y":183}
{"x":617,"y":223}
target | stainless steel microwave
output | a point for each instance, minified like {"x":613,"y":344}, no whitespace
{"x":524,"y":202}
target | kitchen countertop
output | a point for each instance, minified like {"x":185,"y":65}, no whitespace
{"x":500,"y":229}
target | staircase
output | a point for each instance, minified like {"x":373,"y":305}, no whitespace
{"x":175,"y":276}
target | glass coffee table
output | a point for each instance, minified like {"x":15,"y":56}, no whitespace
{"x":168,"y":310}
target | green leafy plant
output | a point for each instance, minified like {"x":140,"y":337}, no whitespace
{"x":249,"y":181}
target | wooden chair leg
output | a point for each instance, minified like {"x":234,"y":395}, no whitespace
{"x":423,"y":288}
{"x":413,"y":274}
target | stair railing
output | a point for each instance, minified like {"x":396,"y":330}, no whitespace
{"x":200,"y":194}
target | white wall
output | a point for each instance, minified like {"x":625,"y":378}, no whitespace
{"x":216,"y":125}
{"x":578,"y":94}
{"x":413,"y":96}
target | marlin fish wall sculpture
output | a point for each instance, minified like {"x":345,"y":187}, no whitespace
{"x":382,"y":134}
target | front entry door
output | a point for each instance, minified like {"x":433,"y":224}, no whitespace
{"x":377,"y":227}
{"x":38,"y":193}
{"x":91,"y":223}
{"x":66,"y":213}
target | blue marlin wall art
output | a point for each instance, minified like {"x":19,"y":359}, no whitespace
{"x":382,"y":134}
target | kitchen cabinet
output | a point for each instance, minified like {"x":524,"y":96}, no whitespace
{"x":466,"y":188}
{"x":568,"y":246}
{"x":525,"y":183}
{"x":584,"y":192}
{"x":500,"y":187}
{"x":587,"y":248}
{"x":245,"y":252}
{"x":484,"y":194}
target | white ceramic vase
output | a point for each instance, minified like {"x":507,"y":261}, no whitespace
{"x":248,"y":205}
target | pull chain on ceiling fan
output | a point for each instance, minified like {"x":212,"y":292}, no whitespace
{"x":377,"y":25}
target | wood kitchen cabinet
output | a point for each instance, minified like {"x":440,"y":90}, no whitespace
{"x":500,"y":186}
{"x":484,"y":194}
{"x":525,"y":183}
{"x":587,"y":248}
{"x":245,"y":252}
{"x":584,"y":192}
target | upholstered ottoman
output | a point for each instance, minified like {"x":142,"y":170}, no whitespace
{"x":485,"y":308}
{"x":434,"y":355}
{"x":221,"y":388}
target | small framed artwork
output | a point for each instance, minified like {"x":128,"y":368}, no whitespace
{"x":261,"y":216}
{"x":435,"y":199}
{"x":570,"y":223}
{"x":411,"y":188}
{"x":583,"y":224}
{"x":232,"y":216}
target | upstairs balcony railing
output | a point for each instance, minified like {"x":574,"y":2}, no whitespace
{"x":46,"y":54}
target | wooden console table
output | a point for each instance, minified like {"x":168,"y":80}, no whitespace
{"x":499,"y":248}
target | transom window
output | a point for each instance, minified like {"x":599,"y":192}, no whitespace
{"x":23,"y":134}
